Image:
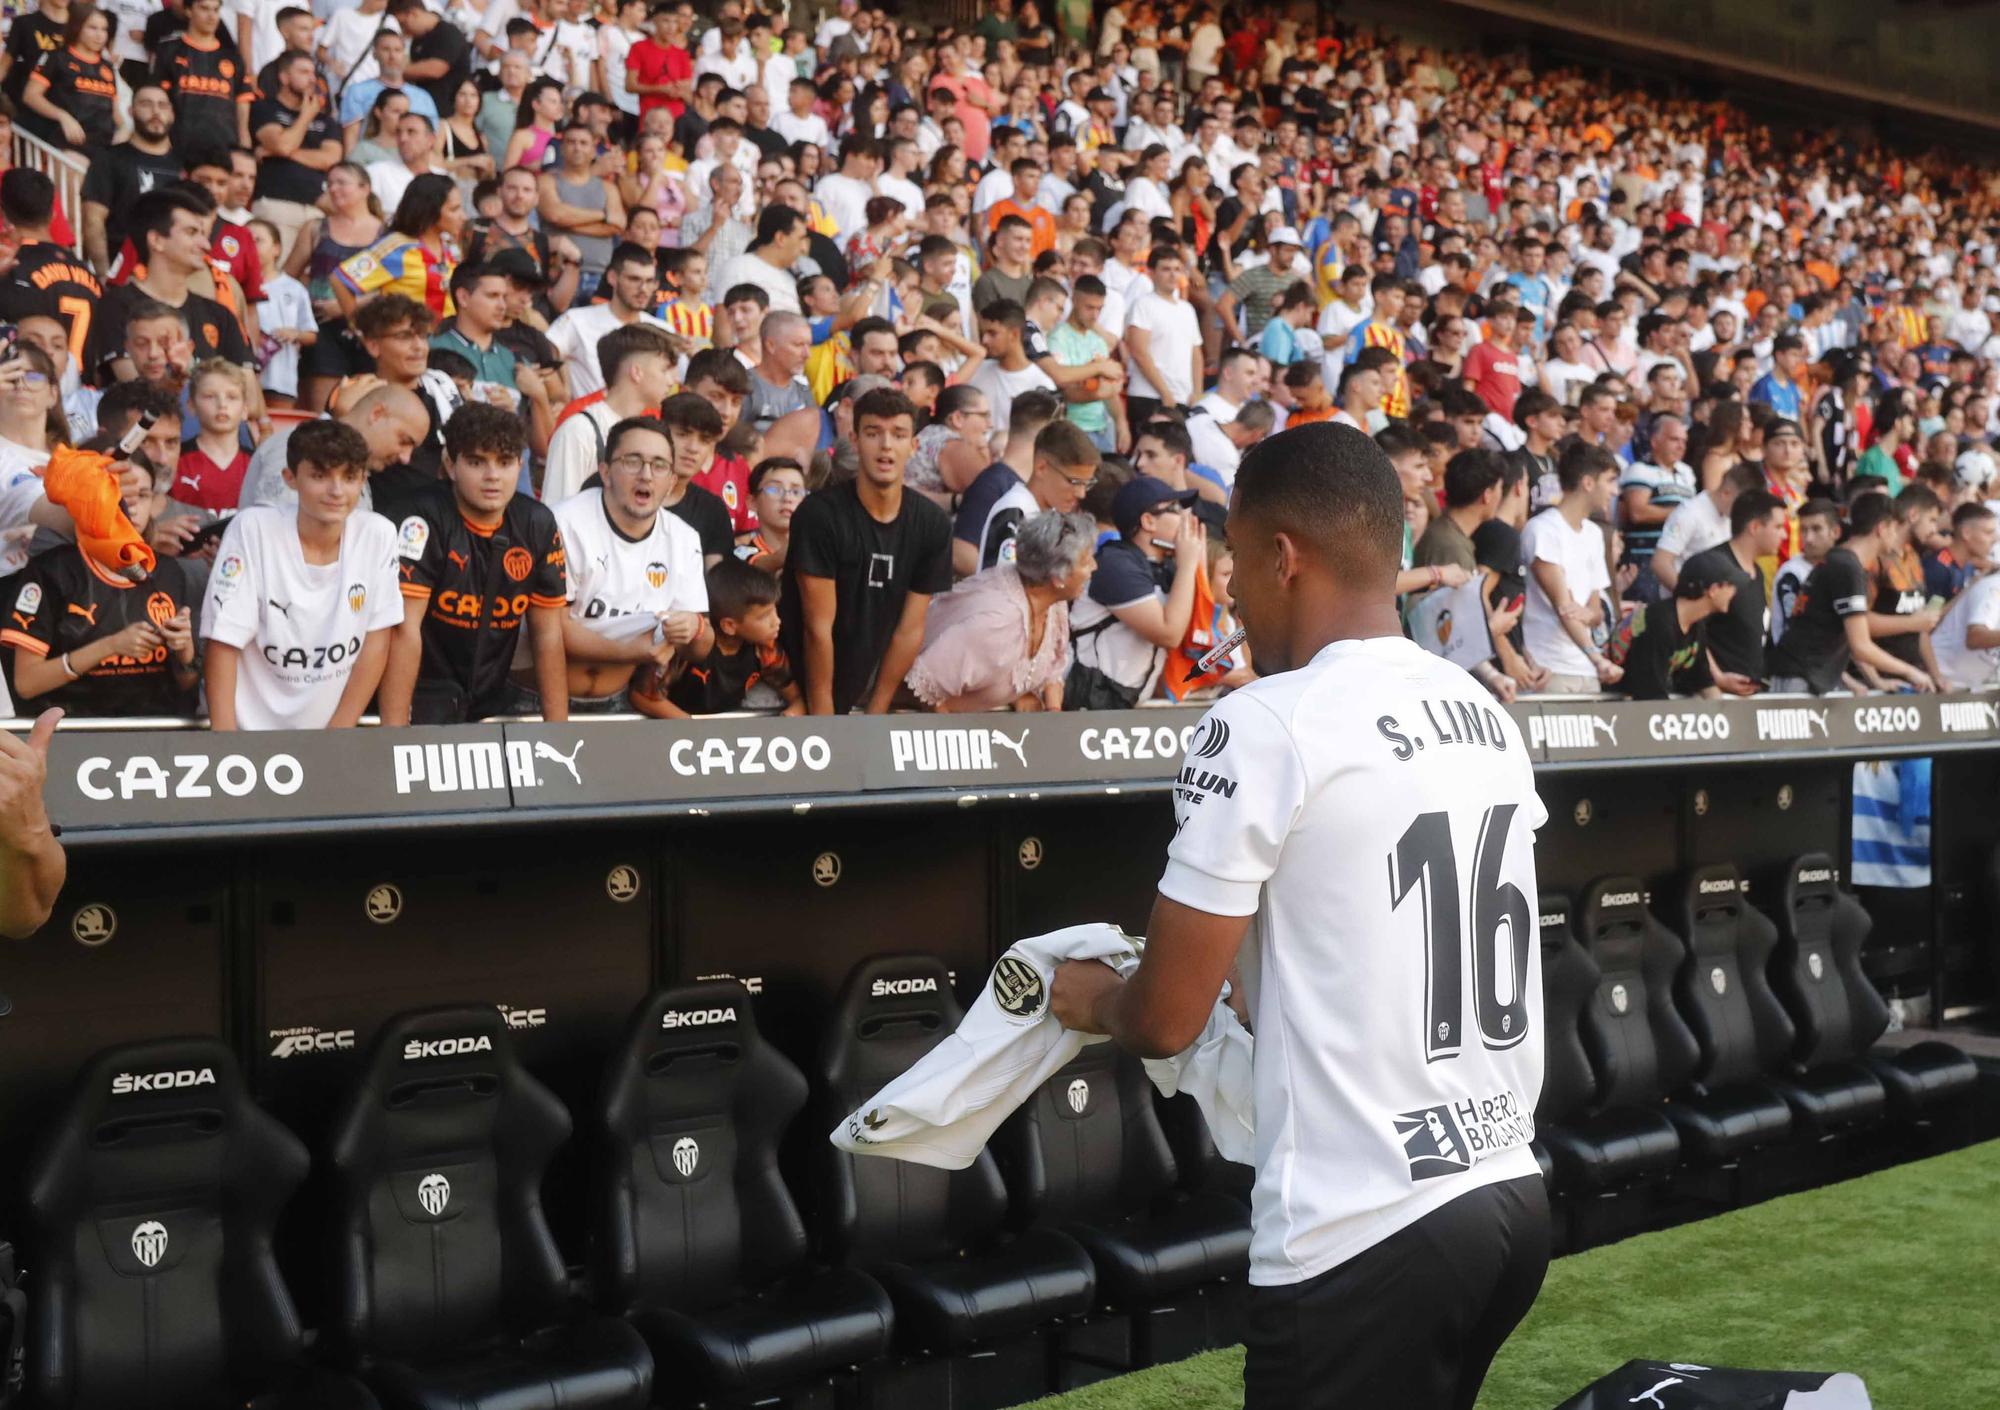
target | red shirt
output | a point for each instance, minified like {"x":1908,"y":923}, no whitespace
{"x":649,"y":61}
{"x":1496,"y":376}
{"x":728,"y":479}
{"x":201,"y":482}
{"x":230,"y":247}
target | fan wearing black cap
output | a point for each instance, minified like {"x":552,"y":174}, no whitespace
{"x":1140,"y":599}
{"x":1664,"y":646}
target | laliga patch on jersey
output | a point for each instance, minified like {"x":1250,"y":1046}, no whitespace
{"x":29,"y":601}
{"x":360,"y":266}
{"x":1018,"y":989}
{"x":413,"y":537}
{"x":1007,"y":551}
{"x":228,"y":575}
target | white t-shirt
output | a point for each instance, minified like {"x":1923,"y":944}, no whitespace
{"x":1002,"y":386}
{"x":611,"y":576}
{"x":1963,"y":667}
{"x":1176,"y":333}
{"x":846,"y":200}
{"x":1213,"y":448}
{"x":739,"y":73}
{"x":751,"y":268}
{"x":793,"y":128}
{"x":347,"y":36}
{"x":285,"y":304}
{"x":129,"y":17}
{"x":390,"y":179}
{"x":1398,"y":1050}
{"x":20,"y":491}
{"x":1220,"y":409}
{"x":575,"y":335}
{"x":576,"y":452}
{"x":1579,"y":552}
{"x":265,"y":41}
{"x":1694,"y":525}
{"x":617,"y":42}
{"x":298,"y":627}
{"x":1785,"y":590}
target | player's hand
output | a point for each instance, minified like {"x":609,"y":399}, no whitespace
{"x":178,"y":632}
{"x":1080,"y":985}
{"x":24,"y":765}
{"x":136,"y":640}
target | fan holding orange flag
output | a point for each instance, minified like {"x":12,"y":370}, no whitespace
{"x":85,"y":483}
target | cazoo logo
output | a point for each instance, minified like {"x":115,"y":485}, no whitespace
{"x":1136,"y":742}
{"x":187,"y":776}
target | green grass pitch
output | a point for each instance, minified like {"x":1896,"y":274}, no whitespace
{"x":1895,"y":1277}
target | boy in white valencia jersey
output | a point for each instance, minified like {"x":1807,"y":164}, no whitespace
{"x":1355,"y":838}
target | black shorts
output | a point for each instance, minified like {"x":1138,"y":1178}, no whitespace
{"x":1411,"y":1323}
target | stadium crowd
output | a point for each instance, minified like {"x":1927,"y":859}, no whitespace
{"x":544,"y":356}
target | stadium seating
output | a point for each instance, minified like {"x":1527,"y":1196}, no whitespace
{"x":151,"y":1207}
{"x":448,"y":1290}
{"x":1838,"y":1013}
{"x":697,"y":1240}
{"x":1087,"y":1154}
{"x":1738,"y":1026}
{"x":1599,"y":1118}
{"x":962,"y":1288}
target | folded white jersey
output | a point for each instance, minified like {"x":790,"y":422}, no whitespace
{"x":942,"y":1111}
{"x":1215,"y":1071}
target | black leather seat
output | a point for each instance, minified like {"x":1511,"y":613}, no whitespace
{"x":1086,"y":1154}
{"x":1635,"y":1047}
{"x":448,"y":1291}
{"x":697,"y":1240}
{"x":1838,"y":1012}
{"x":151,"y":1204}
{"x":934,"y":1239}
{"x":1737,"y":1022}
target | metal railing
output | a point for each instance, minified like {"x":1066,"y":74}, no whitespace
{"x":61,"y":166}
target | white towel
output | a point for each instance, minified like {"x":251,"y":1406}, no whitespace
{"x":942,"y":1111}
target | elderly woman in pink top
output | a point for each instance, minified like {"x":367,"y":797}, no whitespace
{"x":1000,"y":640}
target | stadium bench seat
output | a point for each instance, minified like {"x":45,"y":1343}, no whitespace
{"x":1836,"y":1009}
{"x":448,"y":1292}
{"x":1087,"y":1155}
{"x":697,"y":1241}
{"x":933,"y":1238}
{"x":151,"y":1204}
{"x":1729,"y":1109}
{"x":1610,"y":973}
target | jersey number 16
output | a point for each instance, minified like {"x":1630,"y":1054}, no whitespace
{"x":1424,"y":861}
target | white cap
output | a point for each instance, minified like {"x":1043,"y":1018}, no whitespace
{"x":1285,"y":235}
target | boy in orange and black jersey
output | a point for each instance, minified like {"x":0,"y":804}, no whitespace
{"x":743,"y":605}
{"x":480,"y":563}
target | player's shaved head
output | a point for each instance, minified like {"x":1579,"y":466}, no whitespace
{"x":1332,"y":490}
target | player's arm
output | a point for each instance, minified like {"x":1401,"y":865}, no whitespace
{"x":1166,"y":1003}
{"x":816,"y":599}
{"x":545,"y":631}
{"x":901,"y":653}
{"x":32,"y":864}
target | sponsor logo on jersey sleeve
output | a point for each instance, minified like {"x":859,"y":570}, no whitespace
{"x":413,"y":537}
{"x":29,"y":599}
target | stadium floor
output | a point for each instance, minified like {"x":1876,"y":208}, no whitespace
{"x":1891,"y":1276}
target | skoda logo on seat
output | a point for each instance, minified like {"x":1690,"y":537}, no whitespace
{"x":1079,"y":1096}
{"x":687,"y":1155}
{"x":622,"y":884}
{"x":383,"y":903}
{"x":434,"y":1193}
{"x":149,"y":1243}
{"x":826,"y":868}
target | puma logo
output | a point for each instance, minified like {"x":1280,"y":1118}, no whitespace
{"x":458,"y":559}
{"x":89,"y":614}
{"x":545,"y":750}
{"x":27,"y":623}
{"x":875,"y":1120}
{"x":1018,"y":749}
{"x":1654,"y":1394}
{"x":277,"y":606}
{"x":193,"y":482}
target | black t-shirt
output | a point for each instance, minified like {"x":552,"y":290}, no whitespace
{"x":205,"y":81}
{"x":448,"y":42}
{"x":86,"y":89}
{"x":689,"y":128}
{"x":61,"y":602}
{"x":768,"y":142}
{"x":1736,"y":638}
{"x":49,"y":280}
{"x":874,"y":568}
{"x":215,"y":331}
{"x":281,"y":178}
{"x":979,"y":498}
{"x":1659,"y":657}
{"x":395,"y":491}
{"x":721,"y":682}
{"x":704,"y":512}
{"x":31,"y":36}
{"x":1900,"y":592}
{"x":1815,"y":641}
{"x":475,"y":589}
{"x":488,"y":239}
{"x":119,"y":176}
{"x":1496,"y":544}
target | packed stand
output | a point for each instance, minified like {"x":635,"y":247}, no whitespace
{"x":536,"y":358}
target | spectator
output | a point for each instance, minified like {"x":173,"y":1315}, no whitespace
{"x":170,"y":227}
{"x":1138,"y":604}
{"x":1001,"y":640}
{"x":778,"y":385}
{"x":416,"y":155}
{"x":302,"y":602}
{"x":473,"y":551}
{"x":1966,"y":641}
{"x":479,"y":293}
{"x":1819,"y":530}
{"x":1736,"y":637}
{"x":631,"y":277}
{"x":1901,"y":618}
{"x":637,"y":587}
{"x":777,"y":488}
{"x":1006,"y":373}
{"x":212,"y":465}
{"x":1472,"y":490}
{"x":1065,"y":467}
{"x":298,"y":143}
{"x":864,"y":561}
{"x":391,"y":54}
{"x":1701,"y":523}
{"x":1567,"y":584}
{"x":206,"y":79}
{"x":1781,"y":388}
{"x":1648,"y":494}
{"x":746,"y":657}
{"x":391,"y":420}
{"x":1032,"y":412}
{"x":1829,"y":625}
{"x":1663,"y":647}
{"x":119,"y":175}
{"x":1219,"y":446}
{"x":1162,"y":340}
{"x":694,"y":427}
{"x":416,"y":258}
{"x":637,"y":363}
{"x":284,"y":317}
{"x":781,"y":241}
{"x":1967,"y":557}
{"x":395,"y":332}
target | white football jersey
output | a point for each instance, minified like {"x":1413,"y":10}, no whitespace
{"x":612,"y":576}
{"x":1374,"y":812}
{"x":298,"y":626}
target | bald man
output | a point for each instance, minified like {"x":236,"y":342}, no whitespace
{"x":1359,"y":858}
{"x":393,"y":420}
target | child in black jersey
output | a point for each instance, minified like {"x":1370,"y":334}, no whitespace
{"x":743,"y":605}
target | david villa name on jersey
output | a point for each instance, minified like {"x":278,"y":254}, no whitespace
{"x":1445,"y":722}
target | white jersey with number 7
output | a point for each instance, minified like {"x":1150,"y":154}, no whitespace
{"x":1375,"y":812}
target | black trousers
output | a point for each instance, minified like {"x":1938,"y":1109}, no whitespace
{"x":1412,"y":1323}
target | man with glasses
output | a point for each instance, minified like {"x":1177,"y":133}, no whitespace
{"x":1065,"y":468}
{"x":631,"y":278}
{"x":636,"y":588}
